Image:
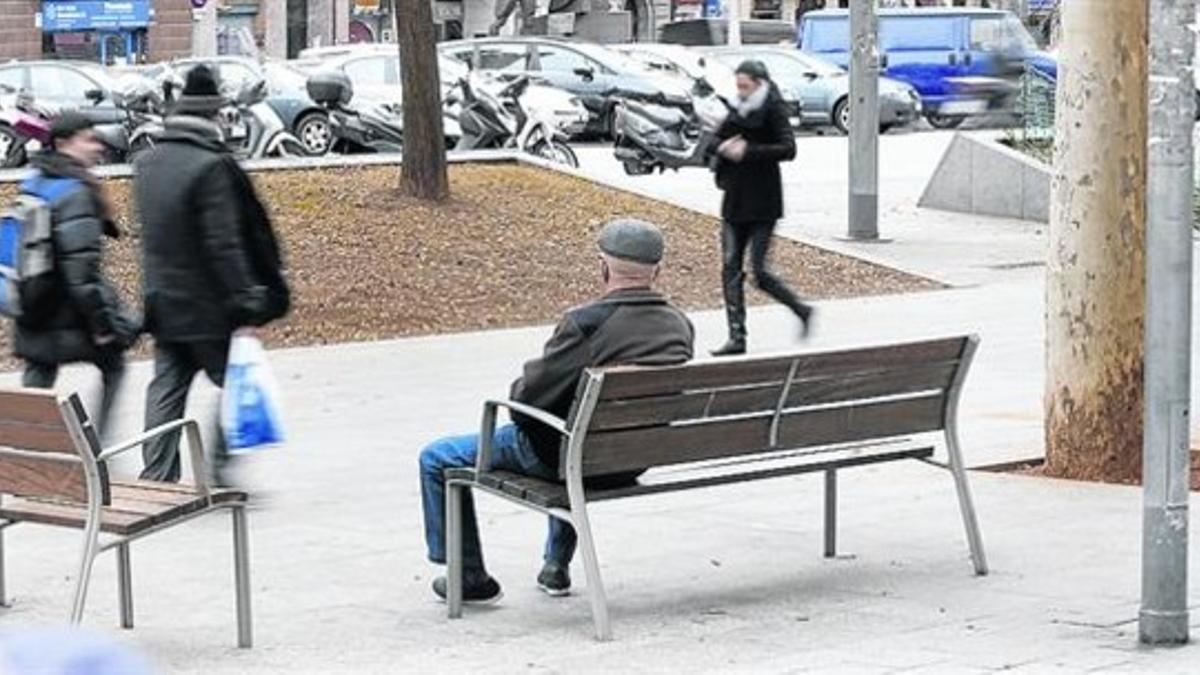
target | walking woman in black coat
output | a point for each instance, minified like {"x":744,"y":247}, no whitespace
{"x":754,"y":139}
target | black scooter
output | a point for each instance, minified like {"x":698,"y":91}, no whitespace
{"x":359,"y":129}
{"x":651,"y":136}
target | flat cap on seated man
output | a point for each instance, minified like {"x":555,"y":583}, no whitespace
{"x":630,"y":324}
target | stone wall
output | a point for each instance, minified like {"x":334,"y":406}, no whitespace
{"x":19,"y":36}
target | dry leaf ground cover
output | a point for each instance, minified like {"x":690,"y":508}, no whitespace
{"x":514,"y":246}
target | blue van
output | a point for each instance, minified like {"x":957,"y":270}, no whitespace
{"x":948,"y":55}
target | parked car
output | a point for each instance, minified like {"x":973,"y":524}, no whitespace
{"x":824,"y":89}
{"x":286,"y":94}
{"x":695,"y":66}
{"x":600,"y":77}
{"x":63,"y":85}
{"x":947,"y":54}
{"x":687,"y":63}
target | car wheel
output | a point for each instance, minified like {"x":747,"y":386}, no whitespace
{"x":938,"y":121}
{"x":12,"y":149}
{"x":841,"y":116}
{"x":314,"y":132}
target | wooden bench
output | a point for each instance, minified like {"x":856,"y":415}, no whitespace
{"x":718,"y":422}
{"x":52,"y":463}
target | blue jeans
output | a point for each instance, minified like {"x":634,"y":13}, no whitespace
{"x":511,"y":451}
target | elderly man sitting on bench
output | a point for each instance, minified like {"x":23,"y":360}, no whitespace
{"x":630,"y":324}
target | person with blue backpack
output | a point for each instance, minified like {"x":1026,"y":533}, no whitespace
{"x":65,"y":310}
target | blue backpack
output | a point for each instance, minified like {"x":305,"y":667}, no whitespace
{"x":27,"y":280}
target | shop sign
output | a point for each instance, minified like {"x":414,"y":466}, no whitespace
{"x":84,"y":15}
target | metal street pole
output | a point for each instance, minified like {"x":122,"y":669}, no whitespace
{"x":864,"y":121}
{"x":1163,"y":618}
{"x":733,"y":22}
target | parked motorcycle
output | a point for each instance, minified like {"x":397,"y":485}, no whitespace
{"x":24,"y":127}
{"x":651,"y":136}
{"x":504,"y":120}
{"x":365,"y":127}
{"x":259,"y":130}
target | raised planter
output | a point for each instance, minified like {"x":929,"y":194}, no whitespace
{"x":980,"y":175}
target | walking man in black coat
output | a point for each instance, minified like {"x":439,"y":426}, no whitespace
{"x":80,"y":319}
{"x":211,"y":263}
{"x":754,"y":139}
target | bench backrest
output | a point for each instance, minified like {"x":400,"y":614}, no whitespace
{"x":639,"y":418}
{"x":41,"y":444}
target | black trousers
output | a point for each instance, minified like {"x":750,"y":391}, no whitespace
{"x":111,"y":363}
{"x":176,"y":364}
{"x":735,"y":239}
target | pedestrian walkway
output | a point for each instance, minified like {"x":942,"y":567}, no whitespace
{"x":722,"y":580}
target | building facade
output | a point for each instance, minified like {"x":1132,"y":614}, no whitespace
{"x":126,"y":31}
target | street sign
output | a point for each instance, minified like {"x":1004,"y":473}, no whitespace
{"x":84,"y":15}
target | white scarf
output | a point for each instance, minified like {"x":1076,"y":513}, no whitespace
{"x":747,"y":106}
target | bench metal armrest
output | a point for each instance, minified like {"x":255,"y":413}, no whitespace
{"x":195,"y":447}
{"x":488,"y":426}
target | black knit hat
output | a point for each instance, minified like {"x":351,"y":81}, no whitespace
{"x":67,"y":125}
{"x":754,"y":68}
{"x":201,"y":95}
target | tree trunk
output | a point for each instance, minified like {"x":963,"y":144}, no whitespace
{"x":1096,"y":265}
{"x":423,"y":173}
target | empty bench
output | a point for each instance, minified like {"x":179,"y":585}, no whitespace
{"x":719,"y":422}
{"x":52,"y":464}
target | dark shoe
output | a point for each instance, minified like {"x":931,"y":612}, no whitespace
{"x":555,"y":580}
{"x":478,"y":589}
{"x":730,"y":348}
{"x":806,"y":321}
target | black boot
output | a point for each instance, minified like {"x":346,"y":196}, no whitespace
{"x":805,"y":312}
{"x":735,"y":312}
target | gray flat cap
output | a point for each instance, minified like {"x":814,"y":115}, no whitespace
{"x":633,"y":240}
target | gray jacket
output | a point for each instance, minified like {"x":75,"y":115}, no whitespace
{"x":627,"y":327}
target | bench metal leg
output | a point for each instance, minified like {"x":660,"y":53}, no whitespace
{"x":125,"y":585}
{"x":241,"y":574}
{"x":591,"y":565}
{"x":965,"y":504}
{"x":454,"y":562}
{"x":90,"y":535}
{"x":3,"y":588}
{"x":831,"y":513}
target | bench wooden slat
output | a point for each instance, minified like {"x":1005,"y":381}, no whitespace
{"x":632,"y":382}
{"x":550,"y":495}
{"x":635,"y":449}
{"x":35,"y":436}
{"x":133,"y":509}
{"x":43,"y":478}
{"x":656,"y":410}
{"x":32,"y":406}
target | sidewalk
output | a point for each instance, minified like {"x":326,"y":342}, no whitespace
{"x":720,"y":580}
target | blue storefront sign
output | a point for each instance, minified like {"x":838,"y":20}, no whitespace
{"x":94,"y":15}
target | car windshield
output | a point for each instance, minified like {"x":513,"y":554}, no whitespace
{"x":1002,"y":33}
{"x":98,"y":75}
{"x":614,"y":61}
{"x":821,"y":67}
{"x":285,"y":77}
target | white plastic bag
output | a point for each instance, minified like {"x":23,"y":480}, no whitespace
{"x":250,"y":405}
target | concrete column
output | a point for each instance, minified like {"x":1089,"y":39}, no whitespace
{"x":275,"y":33}
{"x":320,"y":23}
{"x":341,"y":21}
{"x":204,"y":30}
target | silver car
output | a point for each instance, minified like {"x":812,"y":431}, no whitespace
{"x":824,"y":89}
